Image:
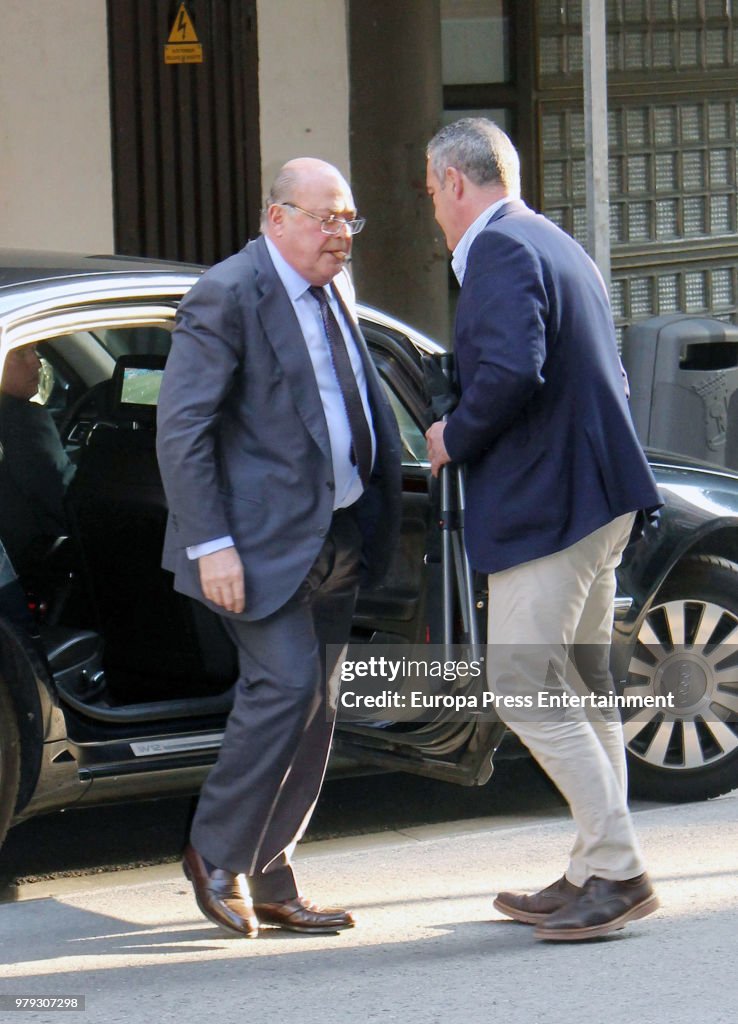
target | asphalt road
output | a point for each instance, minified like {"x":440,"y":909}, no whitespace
{"x":428,"y":947}
{"x":125,"y":836}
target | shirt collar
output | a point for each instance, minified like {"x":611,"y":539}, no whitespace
{"x":461,"y":252}
{"x":294,"y":284}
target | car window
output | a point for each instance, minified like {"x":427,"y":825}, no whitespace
{"x":76,"y":362}
{"x":414,"y":450}
{"x":47,"y":383}
{"x":152,"y":340}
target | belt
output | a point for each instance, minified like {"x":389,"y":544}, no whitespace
{"x":339,"y":513}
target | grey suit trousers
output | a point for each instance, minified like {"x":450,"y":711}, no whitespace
{"x":258,"y":798}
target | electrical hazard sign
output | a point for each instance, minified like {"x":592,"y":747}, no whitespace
{"x":183,"y":46}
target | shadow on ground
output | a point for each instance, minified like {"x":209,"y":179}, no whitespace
{"x":123,"y":836}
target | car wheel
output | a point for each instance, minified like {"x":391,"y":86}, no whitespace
{"x":687,"y":646}
{"x":9,"y":760}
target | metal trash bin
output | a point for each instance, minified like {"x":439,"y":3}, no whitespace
{"x":683,"y":373}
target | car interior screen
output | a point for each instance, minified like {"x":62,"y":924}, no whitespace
{"x":140,"y":386}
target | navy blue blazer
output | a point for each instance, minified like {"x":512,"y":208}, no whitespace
{"x":543,"y":423}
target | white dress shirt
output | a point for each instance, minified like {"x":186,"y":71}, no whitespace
{"x":461,"y":252}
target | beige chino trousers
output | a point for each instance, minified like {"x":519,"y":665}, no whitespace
{"x":540,"y":614}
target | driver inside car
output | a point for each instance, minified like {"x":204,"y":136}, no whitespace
{"x":35,"y":470}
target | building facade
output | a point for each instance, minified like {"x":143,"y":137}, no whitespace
{"x":107,"y":145}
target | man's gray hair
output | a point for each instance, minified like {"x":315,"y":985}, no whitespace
{"x":479,"y":149}
{"x":281,"y":190}
{"x":283,"y":186}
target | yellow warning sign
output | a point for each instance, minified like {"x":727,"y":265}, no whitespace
{"x":183,"y":47}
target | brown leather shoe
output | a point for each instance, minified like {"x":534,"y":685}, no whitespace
{"x":219,"y":896}
{"x":530,"y":909}
{"x":299,"y":915}
{"x":603,"y":906}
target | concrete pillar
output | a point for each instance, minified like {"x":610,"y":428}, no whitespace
{"x":303,"y":83}
{"x":400,"y":260}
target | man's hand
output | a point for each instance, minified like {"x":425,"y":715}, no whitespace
{"x":436,"y":448}
{"x":221,"y":577}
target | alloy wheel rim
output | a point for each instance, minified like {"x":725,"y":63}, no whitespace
{"x":687,"y":649}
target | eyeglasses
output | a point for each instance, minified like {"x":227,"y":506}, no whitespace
{"x":331,"y":225}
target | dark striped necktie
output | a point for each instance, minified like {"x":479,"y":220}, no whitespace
{"x":361,"y":438}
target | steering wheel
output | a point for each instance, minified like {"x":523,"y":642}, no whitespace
{"x":93,"y":401}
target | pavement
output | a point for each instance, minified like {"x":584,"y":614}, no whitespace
{"x":428,"y":947}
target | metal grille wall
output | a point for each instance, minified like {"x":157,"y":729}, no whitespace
{"x":673,"y":35}
{"x":673,"y":130}
{"x":185,"y":135}
{"x":672,"y":170}
{"x":658,"y":35}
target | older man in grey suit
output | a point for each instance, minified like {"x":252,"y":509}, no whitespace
{"x":280,"y":459}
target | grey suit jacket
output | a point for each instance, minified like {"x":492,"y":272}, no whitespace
{"x":243,"y":442}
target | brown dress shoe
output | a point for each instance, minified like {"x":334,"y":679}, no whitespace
{"x":530,"y":909}
{"x":219,"y":896}
{"x":299,"y":915}
{"x":603,"y":906}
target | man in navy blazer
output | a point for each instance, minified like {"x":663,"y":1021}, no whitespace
{"x":555,"y":475}
{"x":280,"y":458}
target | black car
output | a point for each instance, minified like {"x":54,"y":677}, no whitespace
{"x":114,"y":687}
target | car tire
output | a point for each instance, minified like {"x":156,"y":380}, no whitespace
{"x":687,"y":646}
{"x":9,"y":760}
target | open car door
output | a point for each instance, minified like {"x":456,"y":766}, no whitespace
{"x":410,"y":606}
